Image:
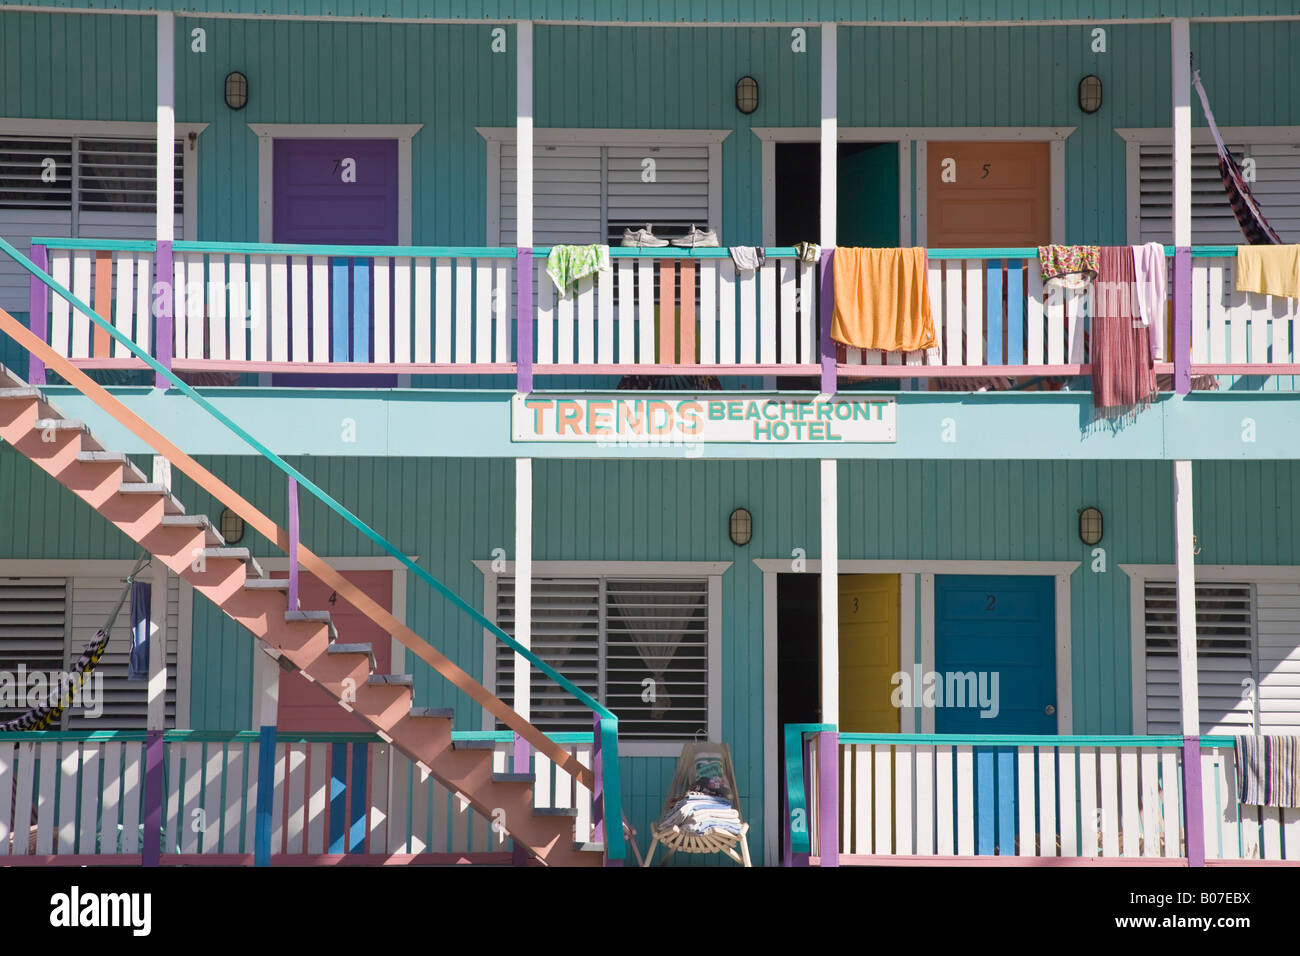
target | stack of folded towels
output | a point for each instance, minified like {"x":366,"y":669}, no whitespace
{"x":699,"y":812}
{"x":707,"y":805}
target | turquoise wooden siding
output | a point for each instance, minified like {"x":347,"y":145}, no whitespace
{"x":449,"y":512}
{"x":446,"y":77}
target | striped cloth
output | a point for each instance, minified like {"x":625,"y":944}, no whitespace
{"x":1268,"y":771}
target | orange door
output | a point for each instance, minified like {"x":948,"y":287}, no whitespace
{"x":304,"y":706}
{"x":981,"y":195}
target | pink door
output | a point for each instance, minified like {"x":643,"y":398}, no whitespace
{"x":304,"y":706}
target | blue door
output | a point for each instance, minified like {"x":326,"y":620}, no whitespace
{"x":997,"y":636}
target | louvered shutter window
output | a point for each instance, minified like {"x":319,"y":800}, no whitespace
{"x":32,"y":633}
{"x":26,"y":167}
{"x":565,"y":634}
{"x":640,"y":646}
{"x":589,"y":194}
{"x":120,"y":175}
{"x":1225,"y":628}
{"x":1276,"y":187}
{"x":125,"y":703}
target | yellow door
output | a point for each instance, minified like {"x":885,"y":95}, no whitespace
{"x":869,"y":626}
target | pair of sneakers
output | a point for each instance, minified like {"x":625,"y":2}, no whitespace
{"x":646,"y":237}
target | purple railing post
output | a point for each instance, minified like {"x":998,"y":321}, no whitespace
{"x":597,"y":786}
{"x":1182,"y":320}
{"x":1193,"y":815}
{"x":163,"y":305}
{"x":293,"y":544}
{"x":826,"y":311}
{"x":38,"y":306}
{"x":524,"y":321}
{"x":802,"y":859}
{"x":151,"y":854}
{"x":828,"y":797}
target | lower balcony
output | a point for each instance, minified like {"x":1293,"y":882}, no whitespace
{"x":655,"y":316}
{"x":930,"y":799}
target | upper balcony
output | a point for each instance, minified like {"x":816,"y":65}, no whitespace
{"x":324,"y":315}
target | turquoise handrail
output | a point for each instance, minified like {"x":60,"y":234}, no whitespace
{"x":796,"y":806}
{"x":253,"y":736}
{"x":1015,"y":740}
{"x":615,"y":847}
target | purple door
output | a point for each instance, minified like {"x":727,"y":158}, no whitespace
{"x":339,"y":192}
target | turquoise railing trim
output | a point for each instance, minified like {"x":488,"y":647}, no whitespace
{"x":796,"y":799}
{"x":1014,"y":740}
{"x":672,"y":252}
{"x":252,"y":736}
{"x":107,"y":245}
{"x":1217,"y":740}
{"x":615,"y":846}
{"x":508,"y":736}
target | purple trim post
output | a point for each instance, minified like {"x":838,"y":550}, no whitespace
{"x":826,"y":311}
{"x":828,"y":797}
{"x":153,"y":798}
{"x":163,"y":306}
{"x":1193,"y":812}
{"x":293,"y":544}
{"x":524,"y":320}
{"x":38,"y":306}
{"x":1182,"y":320}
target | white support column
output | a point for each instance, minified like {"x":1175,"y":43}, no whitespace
{"x":266,"y":688}
{"x":1180,"y":53}
{"x":830,"y":593}
{"x":1185,"y":598}
{"x":524,"y":134}
{"x":523,"y":582}
{"x":166,"y":169}
{"x":830,"y":135}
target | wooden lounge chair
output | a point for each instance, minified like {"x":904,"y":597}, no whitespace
{"x":686,"y":778}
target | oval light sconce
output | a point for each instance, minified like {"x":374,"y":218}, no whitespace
{"x":747,"y":94}
{"x":1090,"y":526}
{"x":1090,"y":93}
{"x":741,"y":527}
{"x":231,"y":526}
{"x":236,"y":90}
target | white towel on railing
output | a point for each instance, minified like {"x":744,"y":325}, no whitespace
{"x":1149,"y":278}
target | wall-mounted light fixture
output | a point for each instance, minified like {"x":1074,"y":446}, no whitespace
{"x":1089,"y":526}
{"x":747,"y":94}
{"x":741,"y":527}
{"x":1090,"y":93}
{"x":236,"y":90}
{"x":232,"y":526}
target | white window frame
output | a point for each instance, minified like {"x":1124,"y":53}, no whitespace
{"x":912,"y":142}
{"x":1139,"y":574}
{"x":497,"y":136}
{"x":109,"y":567}
{"x":711,"y":570}
{"x":110,"y":129}
{"x":1137,"y":137}
{"x":268,"y":133}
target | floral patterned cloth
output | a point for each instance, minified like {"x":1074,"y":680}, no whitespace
{"x":567,"y":264}
{"x":1071,"y":267}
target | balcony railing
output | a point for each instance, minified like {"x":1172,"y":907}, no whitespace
{"x":80,"y":797}
{"x":927,"y":798}
{"x":408,"y":309}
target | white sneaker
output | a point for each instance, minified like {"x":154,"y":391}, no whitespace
{"x":697,"y":237}
{"x":642,"y":237}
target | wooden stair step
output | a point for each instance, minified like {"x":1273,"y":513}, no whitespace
{"x":556,"y":811}
{"x":133,"y":472}
{"x":505,"y":776}
{"x":21,"y":392}
{"x":195,"y":521}
{"x":238,"y":554}
{"x":404,"y":680}
{"x":367,"y":649}
{"x":12,"y":377}
{"x":440,"y":713}
{"x":267,"y":584}
{"x":473,"y":745}
{"x":314,"y":617}
{"x":170,"y":502}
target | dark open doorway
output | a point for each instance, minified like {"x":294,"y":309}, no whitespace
{"x":798,"y":690}
{"x":867,"y":210}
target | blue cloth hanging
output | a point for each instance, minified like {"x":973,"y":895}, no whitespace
{"x":141,"y":602}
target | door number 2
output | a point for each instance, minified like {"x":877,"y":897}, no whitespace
{"x":992,"y":602}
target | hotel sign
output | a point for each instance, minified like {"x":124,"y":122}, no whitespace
{"x":622,"y":419}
